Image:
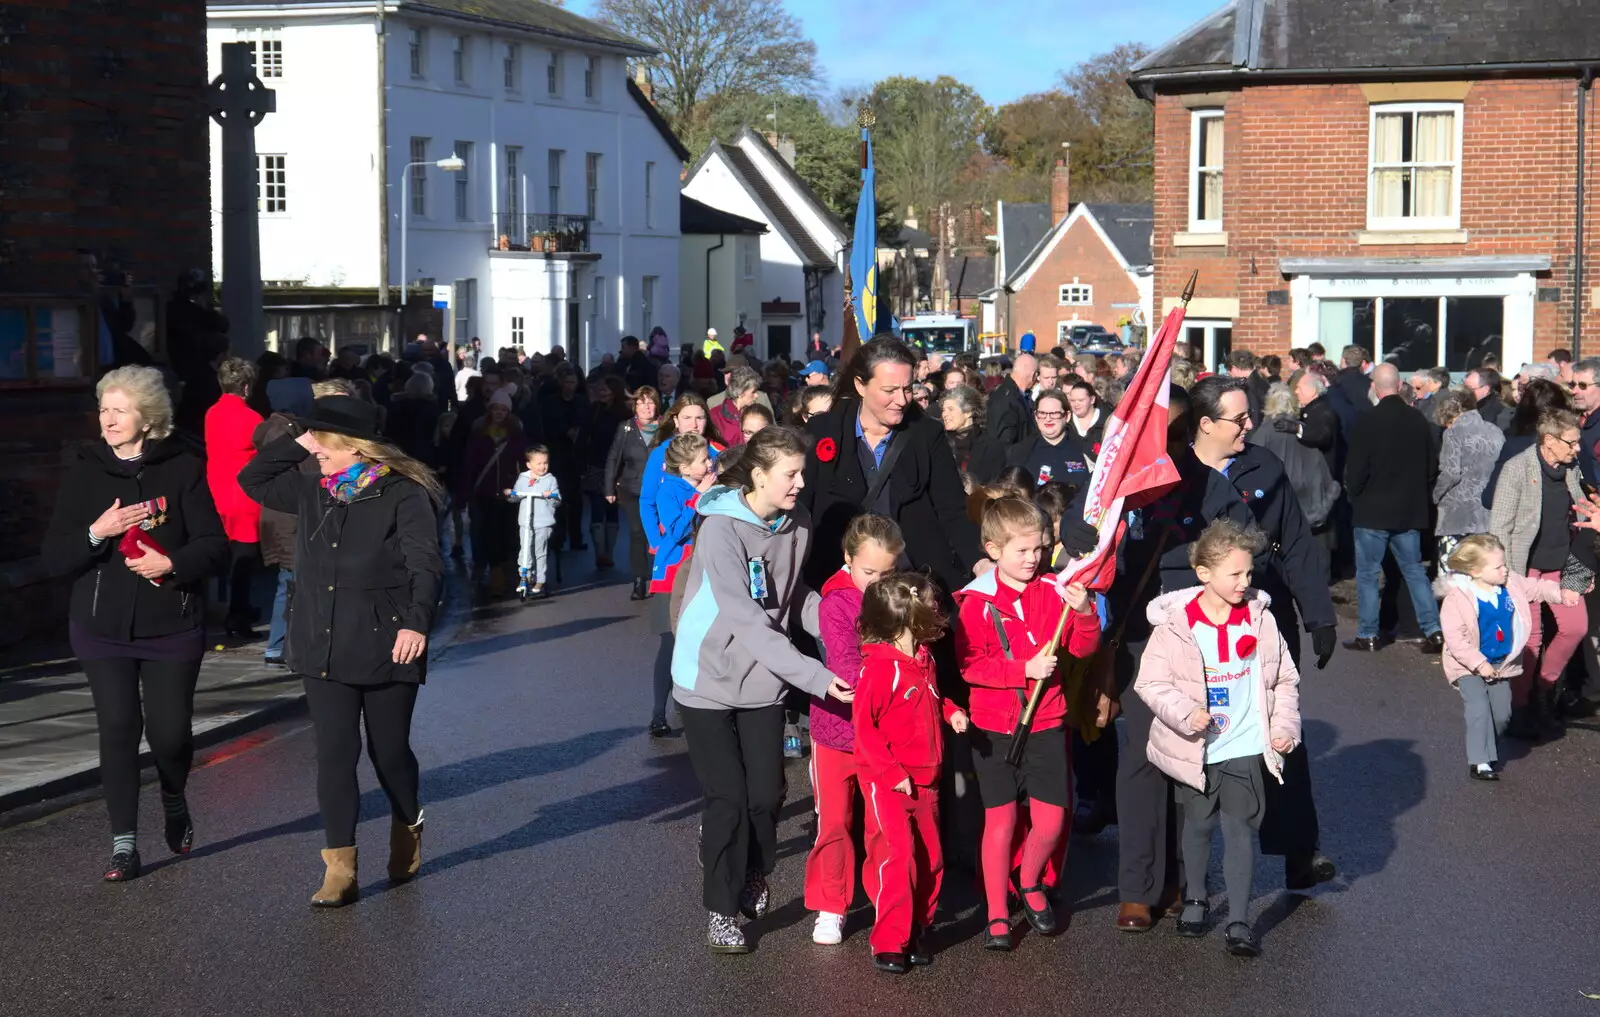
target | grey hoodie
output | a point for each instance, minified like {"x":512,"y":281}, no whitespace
{"x":733,"y":650}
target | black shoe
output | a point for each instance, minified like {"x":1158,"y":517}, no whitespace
{"x":1240,"y":941}
{"x":1000,"y":942}
{"x":659,"y":729}
{"x":917,"y":954}
{"x":893,"y":963}
{"x":1545,"y":717}
{"x":1477,"y":774}
{"x":275,"y":663}
{"x":180,"y":833}
{"x":1364,"y":645}
{"x":1433,"y":644}
{"x":1302,"y":872}
{"x":1042,"y":920}
{"x":1581,"y":708}
{"x":124,"y":866}
{"x":1196,"y":928}
{"x":639,"y":590}
{"x":238,"y":629}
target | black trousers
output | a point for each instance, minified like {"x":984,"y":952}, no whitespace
{"x":241,"y":575}
{"x":1147,"y":829}
{"x":494,"y":532}
{"x":638,"y":545}
{"x":163,"y":716}
{"x":571,"y":508}
{"x":738,"y":757}
{"x":337,"y":710}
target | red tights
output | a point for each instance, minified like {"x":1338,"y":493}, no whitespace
{"x":1046,"y":825}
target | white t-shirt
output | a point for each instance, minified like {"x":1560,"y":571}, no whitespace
{"x":1231,"y":682}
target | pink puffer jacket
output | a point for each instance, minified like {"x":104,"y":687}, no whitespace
{"x":1172,"y":683}
{"x":1458,"y":618}
{"x":832,"y":722}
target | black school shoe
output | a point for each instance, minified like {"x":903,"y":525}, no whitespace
{"x":917,"y":953}
{"x":1044,"y":919}
{"x":124,"y":866}
{"x":1305,"y":873}
{"x":892,"y":963}
{"x":1239,"y":940}
{"x":999,"y":942}
{"x":1192,"y":929}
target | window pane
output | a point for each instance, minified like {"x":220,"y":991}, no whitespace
{"x":1222,"y":338}
{"x":1210,"y":197}
{"x":1435,"y":192}
{"x":1436,"y":137}
{"x":1389,"y":192}
{"x":1342,"y":323}
{"x":57,"y":346}
{"x":1473,"y":329}
{"x":1410,"y":333}
{"x":1389,"y":138}
{"x":1211,"y":142}
{"x":13,"y":344}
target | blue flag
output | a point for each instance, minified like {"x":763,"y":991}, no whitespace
{"x":864,"y":255}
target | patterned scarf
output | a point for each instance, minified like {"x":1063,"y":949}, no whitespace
{"x":648,"y":430}
{"x":349,"y":482}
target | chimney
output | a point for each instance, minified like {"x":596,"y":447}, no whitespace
{"x":641,"y":77}
{"x":785,"y":147}
{"x":1060,"y":184}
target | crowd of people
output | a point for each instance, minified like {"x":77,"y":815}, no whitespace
{"x":871,"y":543}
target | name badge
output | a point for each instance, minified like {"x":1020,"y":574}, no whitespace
{"x":1216,"y":697}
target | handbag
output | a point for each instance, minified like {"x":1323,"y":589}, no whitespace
{"x":129,"y":547}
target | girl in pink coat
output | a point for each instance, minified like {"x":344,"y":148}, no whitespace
{"x":1487,"y":616}
{"x":1224,"y":690}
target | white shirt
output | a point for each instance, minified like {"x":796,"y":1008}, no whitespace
{"x":1231,"y":683}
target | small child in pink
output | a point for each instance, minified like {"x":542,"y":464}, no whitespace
{"x":871,"y":546}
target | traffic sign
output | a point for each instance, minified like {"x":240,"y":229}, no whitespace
{"x":441,"y":296}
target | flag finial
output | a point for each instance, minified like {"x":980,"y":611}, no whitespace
{"x":1188,"y":291}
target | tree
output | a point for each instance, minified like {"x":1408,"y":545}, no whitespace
{"x":927,"y":135}
{"x":712,"y":48}
{"x":825,"y":153}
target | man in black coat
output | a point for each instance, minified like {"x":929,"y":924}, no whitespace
{"x":1353,"y":380}
{"x":1320,"y":427}
{"x":1484,"y":384}
{"x":1390,"y":477}
{"x":875,"y":451}
{"x":1010,"y":412}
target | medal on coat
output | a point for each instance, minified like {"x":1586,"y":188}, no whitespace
{"x":157,"y":508}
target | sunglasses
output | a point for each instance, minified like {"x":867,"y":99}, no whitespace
{"x":1048,"y":414}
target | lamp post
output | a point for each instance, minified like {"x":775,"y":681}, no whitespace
{"x":454,"y":164}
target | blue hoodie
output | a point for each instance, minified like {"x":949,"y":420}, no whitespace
{"x":733,"y":649}
{"x":675,"y":502}
{"x":655,"y":468}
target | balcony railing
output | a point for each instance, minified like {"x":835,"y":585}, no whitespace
{"x":541,"y":231}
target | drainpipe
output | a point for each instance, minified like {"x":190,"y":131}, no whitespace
{"x":383,"y":170}
{"x":721,"y":239}
{"x":1585,"y":86}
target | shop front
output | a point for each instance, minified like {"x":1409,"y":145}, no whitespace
{"x":1418,"y":312}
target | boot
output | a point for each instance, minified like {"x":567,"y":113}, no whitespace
{"x":611,"y":540}
{"x":339,"y":882}
{"x":602,"y":556}
{"x":405,"y":849}
{"x":1546,"y":721}
{"x":639,"y":590}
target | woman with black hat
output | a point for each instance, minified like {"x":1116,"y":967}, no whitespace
{"x":367,"y":577}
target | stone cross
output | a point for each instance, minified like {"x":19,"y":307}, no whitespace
{"x":239,"y":101}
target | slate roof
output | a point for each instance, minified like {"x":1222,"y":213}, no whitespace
{"x":1129,"y":228}
{"x":969,"y":275}
{"x":657,"y":121}
{"x":782,"y":215}
{"x":698,"y":217}
{"x":796,"y":179}
{"x":907,"y":236}
{"x":1022,"y":226}
{"x":1265,"y":36}
{"x":530,"y":15}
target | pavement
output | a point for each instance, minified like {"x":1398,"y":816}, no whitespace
{"x":560,"y":876}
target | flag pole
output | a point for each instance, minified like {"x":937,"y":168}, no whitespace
{"x":1019,"y":740}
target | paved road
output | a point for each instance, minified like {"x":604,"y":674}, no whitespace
{"x":560,"y":874}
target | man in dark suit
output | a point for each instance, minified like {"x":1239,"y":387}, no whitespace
{"x":1010,"y":408}
{"x":1390,"y":476}
{"x":875,"y":451}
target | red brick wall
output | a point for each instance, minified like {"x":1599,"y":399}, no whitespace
{"x":103,"y":146}
{"x":1295,"y":185}
{"x":1082,"y":254}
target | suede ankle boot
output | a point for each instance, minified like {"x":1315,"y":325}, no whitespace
{"x":339,"y":882}
{"x":405,"y":849}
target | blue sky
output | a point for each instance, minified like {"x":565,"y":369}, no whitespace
{"x":1003,"y":48}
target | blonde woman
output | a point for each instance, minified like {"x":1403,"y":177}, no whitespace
{"x":367,"y":578}
{"x":136,"y":531}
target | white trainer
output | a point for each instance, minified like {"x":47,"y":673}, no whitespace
{"x":829,"y":930}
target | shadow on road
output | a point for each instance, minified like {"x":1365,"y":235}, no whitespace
{"x":457,"y":780}
{"x":1383,"y":780}
{"x":467,"y":649}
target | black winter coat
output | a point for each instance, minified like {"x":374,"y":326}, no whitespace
{"x":625,"y":462}
{"x":412,"y":426}
{"x":363,"y":570}
{"x":924,"y":492}
{"x":1292,"y":570}
{"x":1391,"y":469}
{"x":1321,"y":429}
{"x":1010,"y":420}
{"x":109,"y":598}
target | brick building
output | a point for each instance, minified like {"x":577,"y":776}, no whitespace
{"x":1407,"y":180}
{"x":103,"y":151}
{"x":1089,"y":265}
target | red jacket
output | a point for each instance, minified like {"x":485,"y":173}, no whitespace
{"x":230,"y":445}
{"x":897,"y":713}
{"x":728,"y":423}
{"x":999,"y":685}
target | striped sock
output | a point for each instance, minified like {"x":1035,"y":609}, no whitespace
{"x":175,"y":806}
{"x":124,"y":843}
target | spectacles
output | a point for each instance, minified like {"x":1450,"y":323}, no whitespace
{"x":1048,"y":414}
{"x":1583,"y":386}
{"x":1240,"y":421}
{"x":1569,"y":443}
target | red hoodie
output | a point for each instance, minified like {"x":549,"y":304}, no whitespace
{"x":897,"y":715}
{"x":1000,"y":686}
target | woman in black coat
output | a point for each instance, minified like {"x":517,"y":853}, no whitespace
{"x":977,"y":454}
{"x":610,"y":410}
{"x":138,"y":622}
{"x":630,"y":448}
{"x":366,"y":583}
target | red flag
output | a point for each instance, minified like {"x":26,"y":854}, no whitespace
{"x":1134,"y":468}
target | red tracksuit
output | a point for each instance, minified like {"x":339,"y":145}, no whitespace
{"x":897,"y":718}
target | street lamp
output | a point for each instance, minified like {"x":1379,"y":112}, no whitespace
{"x":454,"y":164}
